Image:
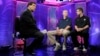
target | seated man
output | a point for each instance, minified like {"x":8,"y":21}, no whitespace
{"x":28,"y":28}
{"x":82,"y":25}
{"x":63,"y":28}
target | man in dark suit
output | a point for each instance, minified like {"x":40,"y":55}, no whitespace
{"x":28,"y":28}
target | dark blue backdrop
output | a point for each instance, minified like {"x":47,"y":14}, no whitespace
{"x":6,"y":22}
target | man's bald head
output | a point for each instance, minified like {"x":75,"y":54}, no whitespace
{"x":65,"y":13}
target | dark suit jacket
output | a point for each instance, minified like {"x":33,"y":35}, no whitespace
{"x":27,"y":24}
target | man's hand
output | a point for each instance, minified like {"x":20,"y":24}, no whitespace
{"x":67,"y":27}
{"x":59,"y":32}
{"x":44,"y":31}
{"x":79,"y":29}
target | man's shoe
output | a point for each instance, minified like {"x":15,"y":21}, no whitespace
{"x":75,"y":48}
{"x":64,"y":48}
{"x":57,"y":48}
{"x":84,"y":50}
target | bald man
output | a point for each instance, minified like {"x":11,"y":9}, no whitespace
{"x":63,"y":29}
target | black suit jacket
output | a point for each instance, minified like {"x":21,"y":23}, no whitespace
{"x":27,"y":24}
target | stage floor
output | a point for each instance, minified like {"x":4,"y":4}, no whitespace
{"x":48,"y":51}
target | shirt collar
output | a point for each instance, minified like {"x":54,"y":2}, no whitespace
{"x":66,"y":18}
{"x":82,"y":16}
